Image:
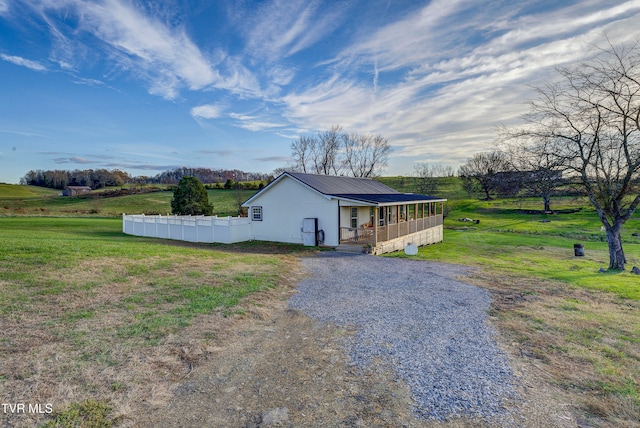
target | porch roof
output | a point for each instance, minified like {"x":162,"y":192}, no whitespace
{"x":378,"y":199}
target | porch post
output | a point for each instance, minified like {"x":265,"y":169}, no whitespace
{"x":387,"y":220}
{"x":376,"y":220}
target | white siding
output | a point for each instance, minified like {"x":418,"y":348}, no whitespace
{"x":285,"y":204}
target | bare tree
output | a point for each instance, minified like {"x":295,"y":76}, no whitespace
{"x":365,"y":155}
{"x":480,"y":171}
{"x":326,"y":158}
{"x":302,"y":152}
{"x":333,"y":152}
{"x":533,"y":163}
{"x":591,"y":119}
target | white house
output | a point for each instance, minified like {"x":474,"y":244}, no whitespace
{"x":328,"y":210}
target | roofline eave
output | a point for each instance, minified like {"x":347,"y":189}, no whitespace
{"x":385,"y":204}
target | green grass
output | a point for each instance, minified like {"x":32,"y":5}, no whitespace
{"x":39,"y":258}
{"x":11,"y":191}
{"x":508,"y":240}
{"x":87,"y":414}
{"x":37,"y":201}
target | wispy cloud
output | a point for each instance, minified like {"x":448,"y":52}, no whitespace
{"x":223,"y":153}
{"x":167,"y":56}
{"x":33,"y":65}
{"x":141,"y":166}
{"x":436,"y":92}
{"x":206,"y":111}
{"x":139,"y":43}
{"x":279,"y":159}
{"x":74,"y":160}
{"x":255,"y":122}
{"x":284,"y":27}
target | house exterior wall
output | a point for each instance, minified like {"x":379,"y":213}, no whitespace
{"x":285,"y":205}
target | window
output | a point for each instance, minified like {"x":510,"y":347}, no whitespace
{"x":256,"y":213}
{"x":354,"y":217}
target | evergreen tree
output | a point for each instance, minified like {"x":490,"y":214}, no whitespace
{"x":191,"y":198}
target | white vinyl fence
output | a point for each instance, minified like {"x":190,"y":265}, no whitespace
{"x":226,"y":230}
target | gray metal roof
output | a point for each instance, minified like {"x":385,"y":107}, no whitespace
{"x":395,"y":198}
{"x":365,"y":190}
{"x":334,"y":185}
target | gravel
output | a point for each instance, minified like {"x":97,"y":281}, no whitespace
{"x":417,"y":318}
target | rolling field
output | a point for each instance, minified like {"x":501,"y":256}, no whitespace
{"x":95,"y":320}
{"x":36,"y":201}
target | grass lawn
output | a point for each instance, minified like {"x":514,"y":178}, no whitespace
{"x":94,"y":319}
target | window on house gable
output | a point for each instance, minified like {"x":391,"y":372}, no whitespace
{"x":256,"y":213}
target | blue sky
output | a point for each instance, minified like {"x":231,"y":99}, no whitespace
{"x":145,"y":86}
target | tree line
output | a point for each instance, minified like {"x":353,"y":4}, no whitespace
{"x":100,"y":178}
{"x":59,"y":179}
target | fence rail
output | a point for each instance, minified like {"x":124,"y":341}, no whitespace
{"x":226,"y":230}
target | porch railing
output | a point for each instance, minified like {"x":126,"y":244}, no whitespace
{"x":359,"y":235}
{"x":404,"y":228}
{"x":356,"y":235}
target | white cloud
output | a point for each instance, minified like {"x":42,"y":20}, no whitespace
{"x":164,"y":56}
{"x":159,"y":49}
{"x":207,"y":111}
{"x":254,"y":122}
{"x":259,"y":125}
{"x":432,"y":102}
{"x":33,"y":65}
{"x":73,"y":159}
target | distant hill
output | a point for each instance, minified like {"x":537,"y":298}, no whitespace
{"x":8,"y":191}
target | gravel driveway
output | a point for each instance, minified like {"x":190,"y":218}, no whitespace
{"x":415,"y":316}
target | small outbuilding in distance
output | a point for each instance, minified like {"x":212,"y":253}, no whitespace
{"x":76,"y":190}
{"x":337,"y":211}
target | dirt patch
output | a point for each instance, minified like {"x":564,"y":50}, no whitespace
{"x":283,"y":370}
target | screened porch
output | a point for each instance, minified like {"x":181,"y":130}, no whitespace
{"x":372,"y":225}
